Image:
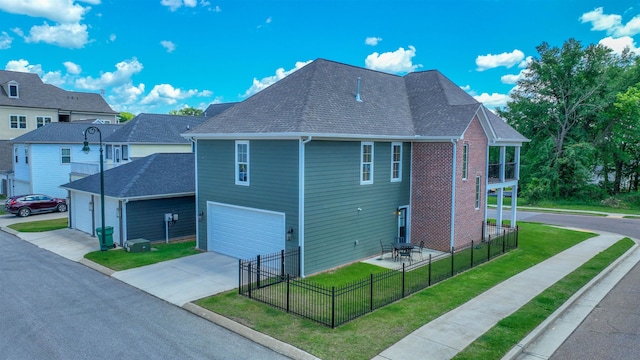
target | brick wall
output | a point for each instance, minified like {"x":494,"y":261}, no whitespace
{"x":431,"y":191}
{"x":468,"y":219}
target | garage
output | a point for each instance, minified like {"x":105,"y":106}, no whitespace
{"x":244,"y":232}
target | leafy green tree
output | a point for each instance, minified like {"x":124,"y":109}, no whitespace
{"x":125,"y":116}
{"x":189,"y":111}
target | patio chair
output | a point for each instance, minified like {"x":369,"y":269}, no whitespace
{"x":419,"y":249}
{"x":405,"y":253}
{"x":385,"y":249}
{"x":399,"y":239}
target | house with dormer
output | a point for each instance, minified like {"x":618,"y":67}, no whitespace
{"x":26,"y":103}
{"x":333,"y":159}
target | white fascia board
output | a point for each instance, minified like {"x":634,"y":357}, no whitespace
{"x":297,"y":136}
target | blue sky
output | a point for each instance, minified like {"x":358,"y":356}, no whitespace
{"x":158,"y":55}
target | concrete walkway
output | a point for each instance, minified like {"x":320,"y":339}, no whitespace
{"x":449,"y":334}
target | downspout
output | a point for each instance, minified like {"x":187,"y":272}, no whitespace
{"x":514,"y":188}
{"x":197,"y":207}
{"x":486,"y":193}
{"x":301,"y":157}
{"x":123,"y":221}
{"x":453,"y":193}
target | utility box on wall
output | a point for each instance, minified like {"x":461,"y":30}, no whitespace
{"x":137,"y":245}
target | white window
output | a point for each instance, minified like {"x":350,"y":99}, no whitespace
{"x":242,"y":163}
{"x":366,"y":163}
{"x":15,"y":153}
{"x":465,"y":160}
{"x":26,"y":155}
{"x":42,"y":121}
{"x":65,"y":155}
{"x":108,"y":152}
{"x":18,"y":121}
{"x":125,"y":152}
{"x":14,"y":91}
{"x":478,"y":188}
{"x":396,"y":161}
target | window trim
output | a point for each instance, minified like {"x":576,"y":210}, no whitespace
{"x":15,"y":153}
{"x":26,"y":155}
{"x":238,"y":163}
{"x":18,"y":122}
{"x":14,"y":85}
{"x":62,"y":156}
{"x":465,"y":161}
{"x":478,"y":192}
{"x":393,"y":162}
{"x":363,"y":145}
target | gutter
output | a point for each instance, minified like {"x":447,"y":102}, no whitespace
{"x":453,"y":193}
{"x":301,"y":176}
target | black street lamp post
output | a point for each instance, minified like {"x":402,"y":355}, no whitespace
{"x":86,"y":149}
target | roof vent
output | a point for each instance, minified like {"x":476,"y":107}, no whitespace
{"x":358,"y":91}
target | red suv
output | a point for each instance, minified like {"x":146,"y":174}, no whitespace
{"x":25,"y":205}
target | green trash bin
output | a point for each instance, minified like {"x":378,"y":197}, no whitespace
{"x":108,"y":237}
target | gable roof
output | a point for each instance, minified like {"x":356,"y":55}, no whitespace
{"x":322,"y":99}
{"x":156,"y":128}
{"x":215,"y":109}
{"x":33,"y":93}
{"x":64,"y":133}
{"x":156,"y":175}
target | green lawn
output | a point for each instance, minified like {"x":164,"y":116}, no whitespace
{"x":40,"y":225}
{"x":365,"y":337}
{"x":121,"y":260}
{"x":496,"y":342}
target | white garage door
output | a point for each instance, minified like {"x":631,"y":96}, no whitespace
{"x":244,"y":232}
{"x":81,"y":212}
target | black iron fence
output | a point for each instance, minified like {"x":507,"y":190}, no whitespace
{"x":267,"y":279}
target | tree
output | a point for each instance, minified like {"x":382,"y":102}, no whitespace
{"x":125,"y":116}
{"x":189,"y":111}
{"x":554,"y":105}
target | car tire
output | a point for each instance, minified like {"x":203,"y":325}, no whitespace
{"x":24,"y":212}
{"x":61,"y":207}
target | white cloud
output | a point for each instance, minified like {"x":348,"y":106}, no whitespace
{"x":511,"y":78}
{"x":611,"y":23}
{"x":490,"y":61}
{"x":216,"y":9}
{"x":112,"y":37}
{"x":398,"y":61}
{"x":169,"y":45}
{"x":466,"y":87}
{"x":72,"y":68}
{"x":124,"y":71}
{"x":493,"y":100}
{"x":174,"y":5}
{"x":167,"y":94}
{"x":125,"y":95}
{"x":269,"y":20}
{"x":61,"y":11}
{"x":5,"y":40}
{"x":263,"y":83}
{"x":525,"y":63}
{"x":54,"y":78}
{"x":72,"y":36}
{"x":373,"y":41}
{"x":23,"y":65}
{"x":619,"y":44}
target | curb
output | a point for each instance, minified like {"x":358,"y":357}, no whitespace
{"x":10,"y":231}
{"x":519,"y":348}
{"x":97,"y":267}
{"x":253,"y":335}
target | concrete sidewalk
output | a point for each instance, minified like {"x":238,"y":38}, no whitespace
{"x":449,"y":334}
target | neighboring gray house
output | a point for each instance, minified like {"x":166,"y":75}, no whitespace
{"x":26,"y":103}
{"x":335,"y":159}
{"x":138,"y":194}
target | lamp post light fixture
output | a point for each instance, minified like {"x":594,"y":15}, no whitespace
{"x":86,"y":149}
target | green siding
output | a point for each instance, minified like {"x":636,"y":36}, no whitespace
{"x":333,"y":195}
{"x":145,"y":218}
{"x":273,"y":171}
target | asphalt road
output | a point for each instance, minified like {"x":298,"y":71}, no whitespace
{"x":53,"y":308}
{"x":612,"y":330}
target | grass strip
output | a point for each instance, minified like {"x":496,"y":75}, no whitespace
{"x":119,"y":259}
{"x":367,"y":336}
{"x":40,"y":225}
{"x":500,"y":339}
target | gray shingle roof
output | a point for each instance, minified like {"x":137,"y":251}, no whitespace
{"x":34,"y":93}
{"x":156,"y":128}
{"x":215,"y":109}
{"x":320,"y":99}
{"x":504,"y":132}
{"x":65,"y":133}
{"x":156,"y":175}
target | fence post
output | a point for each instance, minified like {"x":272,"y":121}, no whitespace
{"x":403,"y":273}
{"x":288,"y":293}
{"x":489,"y":249}
{"x":249,"y":272}
{"x":517,"y":232}
{"x":429,"y":280}
{"x":258,"y":272}
{"x":471,"y":254}
{"x":371,"y":291}
{"x":333,"y":307}
{"x":452,"y":255}
{"x":299,"y":262}
{"x":282,"y":263}
{"x":240,"y":276}
{"x":504,"y":240}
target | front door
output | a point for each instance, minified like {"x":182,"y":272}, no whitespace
{"x":403,"y":223}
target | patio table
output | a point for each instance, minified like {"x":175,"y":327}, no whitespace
{"x":402,"y":247}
